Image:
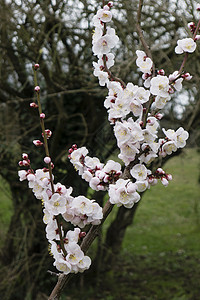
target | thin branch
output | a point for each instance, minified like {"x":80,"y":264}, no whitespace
{"x":140,"y":33}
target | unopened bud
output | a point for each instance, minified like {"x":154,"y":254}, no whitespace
{"x":48,"y":133}
{"x":52,"y":165}
{"x":25,"y":163}
{"x":47,"y":159}
{"x":37,"y":143}
{"x":160,"y":171}
{"x":141,"y":123}
{"x":159,"y":116}
{"x":42,"y":116}
{"x":187,"y":76}
{"x":82,"y":234}
{"x":198,"y":7}
{"x":197,"y":37}
{"x":171,"y":90}
{"x":34,"y":105}
{"x":36,"y":66}
{"x":74,"y":147}
{"x":110,"y":4}
{"x":37,"y":89}
{"x":169,"y":177}
{"x":190,"y":25}
{"x":70,"y":150}
{"x":20,"y":163}
{"x":164,"y":181}
{"x":161,"y":72}
{"x":24,"y":156}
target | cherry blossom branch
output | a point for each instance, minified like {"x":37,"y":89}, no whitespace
{"x":42,"y":116}
{"x":187,"y":54}
{"x":86,"y":243}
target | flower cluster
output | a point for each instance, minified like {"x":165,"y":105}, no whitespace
{"x":135,"y":127}
{"x":73,"y":260}
{"x":80,"y":211}
{"x":98,"y":175}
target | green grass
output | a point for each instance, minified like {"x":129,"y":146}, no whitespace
{"x":5,"y":208}
{"x":168,"y":218}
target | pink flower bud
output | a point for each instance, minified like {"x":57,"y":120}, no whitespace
{"x":37,"y":143}
{"x":159,"y":116}
{"x":145,"y":76}
{"x":164,"y":181}
{"x":70,"y":150}
{"x":110,"y":4}
{"x":190,"y":25}
{"x":197,"y":37}
{"x":47,"y":160}
{"x":187,"y":76}
{"x":106,"y":7}
{"x":24,"y":156}
{"x":37,"y":89}
{"x":52,"y":165}
{"x":20,"y":163}
{"x":198,"y":7}
{"x":36,"y":66}
{"x":34,"y":105}
{"x":161,"y":72}
{"x":25,"y":163}
{"x":82,"y":234}
{"x":160,"y":171}
{"x":169,"y":177}
{"x":171,"y":90}
{"x":74,"y":147}
{"x":48,"y":133}
{"x":42,"y":116}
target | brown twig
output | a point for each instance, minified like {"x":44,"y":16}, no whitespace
{"x":140,"y":34}
{"x":49,"y":165}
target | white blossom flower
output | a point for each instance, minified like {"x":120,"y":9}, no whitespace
{"x":142,"y":185}
{"x":161,"y":101}
{"x":84,"y":264}
{"x":139,"y":172}
{"x":22,"y":175}
{"x":169,"y":147}
{"x":109,"y":60}
{"x":56,"y":204}
{"x":143,"y":62}
{"x":104,"y":15}
{"x":63,"y":266}
{"x":182,"y":136}
{"x":160,"y":86}
{"x":123,"y":192}
{"x":185,"y":45}
{"x":75,"y":254}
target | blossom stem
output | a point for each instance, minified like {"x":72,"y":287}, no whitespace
{"x":49,"y":164}
{"x":111,"y":76}
{"x":141,"y":36}
{"x":187,"y":54}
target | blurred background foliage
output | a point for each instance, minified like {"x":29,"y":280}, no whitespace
{"x":57,"y":35}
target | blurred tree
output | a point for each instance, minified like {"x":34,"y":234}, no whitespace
{"x":57,"y":35}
